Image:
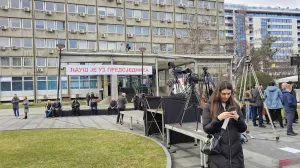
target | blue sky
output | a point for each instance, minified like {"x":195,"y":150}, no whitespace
{"x":272,"y":3}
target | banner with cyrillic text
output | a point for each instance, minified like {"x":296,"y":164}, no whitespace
{"x":107,"y":70}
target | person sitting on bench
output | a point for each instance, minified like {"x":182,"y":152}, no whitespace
{"x":93,"y":105}
{"x":48,"y":109}
{"x":75,"y":107}
{"x":57,"y":108}
{"x":112,"y":107}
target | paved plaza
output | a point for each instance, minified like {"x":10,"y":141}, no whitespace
{"x":187,"y":155}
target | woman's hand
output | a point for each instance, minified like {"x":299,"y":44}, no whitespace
{"x":225,"y":115}
{"x":235,"y":115}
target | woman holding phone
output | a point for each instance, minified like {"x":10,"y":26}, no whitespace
{"x":222,"y":107}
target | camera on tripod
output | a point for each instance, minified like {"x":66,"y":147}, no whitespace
{"x":176,"y":70}
{"x":191,"y":78}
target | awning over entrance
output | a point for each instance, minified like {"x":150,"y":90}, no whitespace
{"x":136,"y":59}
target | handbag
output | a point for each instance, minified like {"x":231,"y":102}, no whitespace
{"x":211,"y":145}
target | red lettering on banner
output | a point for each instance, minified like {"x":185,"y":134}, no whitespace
{"x":79,"y":69}
{"x":111,"y":69}
{"x":93,"y":70}
{"x":101,"y":69}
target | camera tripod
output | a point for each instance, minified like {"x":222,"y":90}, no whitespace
{"x":207,"y":82}
{"x":248,"y":68}
{"x":191,"y":93}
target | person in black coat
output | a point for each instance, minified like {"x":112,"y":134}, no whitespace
{"x":215,"y":112}
{"x":294,"y":94}
{"x":57,"y":111}
{"x":75,"y":107}
{"x":112,"y":107}
{"x":93,"y":105}
{"x":136,"y":102}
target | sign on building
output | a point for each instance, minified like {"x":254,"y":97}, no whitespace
{"x":108,"y":70}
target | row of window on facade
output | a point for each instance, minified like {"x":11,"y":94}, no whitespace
{"x":280,"y":26}
{"x":280,"y":32}
{"x":28,"y":62}
{"x":278,"y":14}
{"x":87,"y":9}
{"x":87,"y":44}
{"x":282,"y":45}
{"x":81,"y":44}
{"x":91,"y":27}
{"x":40,"y":62}
{"x":282,"y":51}
{"x":47,"y":83}
{"x":273,"y":20}
{"x":103,"y":28}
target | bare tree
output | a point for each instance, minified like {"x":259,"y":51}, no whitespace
{"x":198,"y":38}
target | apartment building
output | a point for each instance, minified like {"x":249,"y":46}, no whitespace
{"x":249,"y":25}
{"x":30,"y":30}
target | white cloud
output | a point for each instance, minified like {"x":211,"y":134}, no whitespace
{"x":273,"y":3}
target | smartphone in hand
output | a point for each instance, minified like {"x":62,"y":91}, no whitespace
{"x":232,"y":108}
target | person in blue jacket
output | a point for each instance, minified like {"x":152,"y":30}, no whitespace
{"x":290,"y":106}
{"x":273,"y":99}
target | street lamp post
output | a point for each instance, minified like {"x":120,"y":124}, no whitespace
{"x":60,"y":48}
{"x":142,"y":49}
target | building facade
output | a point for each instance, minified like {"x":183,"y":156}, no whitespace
{"x":30,"y":30}
{"x":250,"y":25}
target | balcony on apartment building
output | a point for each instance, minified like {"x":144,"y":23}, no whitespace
{"x":228,"y":27}
{"x":228,"y":34}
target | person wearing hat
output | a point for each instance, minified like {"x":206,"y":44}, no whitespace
{"x":290,"y":106}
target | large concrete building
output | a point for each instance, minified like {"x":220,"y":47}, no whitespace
{"x":283,"y":23}
{"x":30,"y":30}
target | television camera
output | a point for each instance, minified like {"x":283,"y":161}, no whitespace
{"x":191,"y":77}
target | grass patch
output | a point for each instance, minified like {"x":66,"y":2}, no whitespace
{"x":36,"y":105}
{"x":86,"y":148}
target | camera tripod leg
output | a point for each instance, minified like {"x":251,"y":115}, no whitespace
{"x":265,"y":105}
{"x":186,"y":105}
{"x":248,"y":67}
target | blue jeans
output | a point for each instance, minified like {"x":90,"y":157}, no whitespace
{"x":247,"y":109}
{"x":94,"y":110}
{"x":257,"y":111}
{"x":16,"y":112}
{"x":251,"y":111}
{"x":48,"y":113}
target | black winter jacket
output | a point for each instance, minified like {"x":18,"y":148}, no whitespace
{"x":231,"y":155}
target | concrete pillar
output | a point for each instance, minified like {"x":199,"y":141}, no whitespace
{"x":100,"y":86}
{"x":114,"y":86}
{"x":105,"y":85}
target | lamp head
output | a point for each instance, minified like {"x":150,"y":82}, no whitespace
{"x":60,"y":46}
{"x":142,"y":49}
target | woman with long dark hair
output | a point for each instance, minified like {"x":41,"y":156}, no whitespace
{"x":219,"y":108}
